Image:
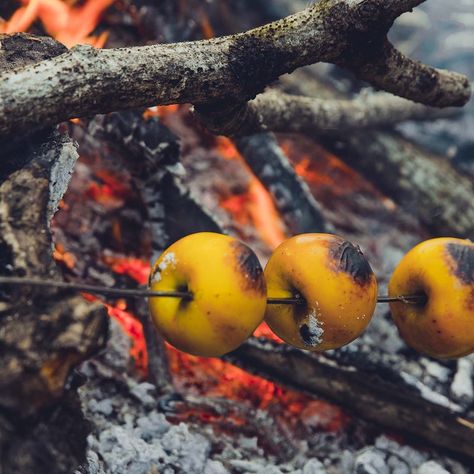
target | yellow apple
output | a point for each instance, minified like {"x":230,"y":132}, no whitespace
{"x":228,"y":291}
{"x":336,"y":283}
{"x":442,"y":270}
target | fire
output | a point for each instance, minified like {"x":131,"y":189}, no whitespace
{"x":255,"y":206}
{"x":323,"y":171}
{"x":217,"y":378}
{"x":111,"y":192}
{"x":70,"y":24}
{"x":131,"y":327}
{"x":135,"y":268}
{"x":62,"y":256}
{"x":161,"y":111}
{"x":134,"y":329}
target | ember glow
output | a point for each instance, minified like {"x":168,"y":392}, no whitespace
{"x":70,"y":23}
{"x":255,"y":206}
{"x":217,"y":378}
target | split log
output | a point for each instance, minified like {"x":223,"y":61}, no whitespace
{"x":43,"y":334}
{"x":233,"y":68}
{"x":291,"y":195}
{"x":422,"y":183}
{"x":366,"y":388}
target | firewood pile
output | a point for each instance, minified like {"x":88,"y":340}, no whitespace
{"x":104,"y":163}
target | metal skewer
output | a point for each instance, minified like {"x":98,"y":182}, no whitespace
{"x":146,"y":293}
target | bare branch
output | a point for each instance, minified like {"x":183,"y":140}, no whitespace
{"x":236,"y":68}
{"x":397,"y":7}
{"x":279,"y":112}
{"x":394,"y":72}
{"x":287,"y":113}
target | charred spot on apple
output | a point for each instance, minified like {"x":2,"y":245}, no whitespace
{"x":250,"y":267}
{"x":350,"y":259}
{"x":463,"y":257}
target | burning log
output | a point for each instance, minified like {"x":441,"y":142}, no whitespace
{"x":43,"y":334}
{"x":290,"y":193}
{"x":231,"y":69}
{"x":424,"y":184}
{"x":151,"y":153}
{"x":366,"y":386}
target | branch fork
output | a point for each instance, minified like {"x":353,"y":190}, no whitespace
{"x":227,"y":70}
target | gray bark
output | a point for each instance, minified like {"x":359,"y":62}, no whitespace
{"x":85,"y":81}
{"x":275,"y":111}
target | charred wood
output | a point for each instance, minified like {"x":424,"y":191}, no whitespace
{"x":43,"y":334}
{"x":424,"y":184}
{"x":291,"y":195}
{"x":151,"y":153}
{"x":366,"y":387}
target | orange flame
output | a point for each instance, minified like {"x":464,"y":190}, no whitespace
{"x":63,"y":257}
{"x":68,"y":24}
{"x":134,"y":329}
{"x":256,"y":205}
{"x":161,"y":111}
{"x":135,"y":268}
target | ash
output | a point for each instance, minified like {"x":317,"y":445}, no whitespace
{"x":132,"y":434}
{"x":312,"y":333}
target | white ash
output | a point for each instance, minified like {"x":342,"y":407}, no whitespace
{"x":130,"y":435}
{"x":462,"y":389}
{"x":432,"y":467}
{"x":169,"y":259}
{"x":312,"y":331}
{"x":371,"y":461}
{"x":429,"y":394}
{"x":436,"y":370}
{"x":314,"y":466}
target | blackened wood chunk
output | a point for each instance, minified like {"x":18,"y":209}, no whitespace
{"x":152,"y":154}
{"x":43,"y":333}
{"x":21,"y":49}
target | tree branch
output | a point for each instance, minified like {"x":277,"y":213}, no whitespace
{"x":279,"y":112}
{"x":351,"y":33}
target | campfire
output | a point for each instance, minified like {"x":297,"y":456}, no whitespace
{"x":124,"y":130}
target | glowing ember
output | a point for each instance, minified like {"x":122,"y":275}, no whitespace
{"x":264,"y":331}
{"x":324,"y":171}
{"x":216,"y":378}
{"x":111,"y":192}
{"x":161,"y":111}
{"x":135,"y":268}
{"x":69,"y":24}
{"x":65,"y":258}
{"x":134,"y":329}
